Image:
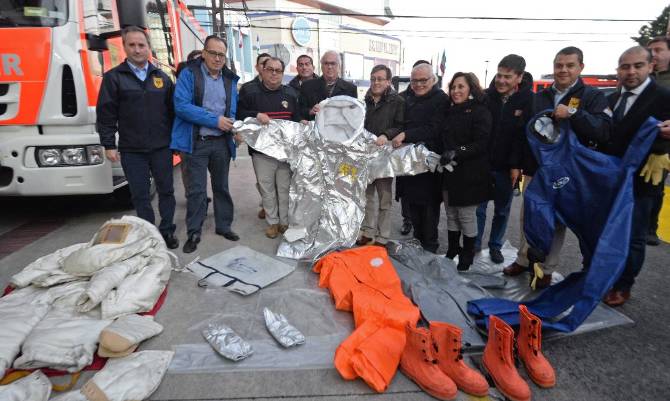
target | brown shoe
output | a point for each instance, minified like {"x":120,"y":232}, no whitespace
{"x":616,"y":297}
{"x":514,"y":269}
{"x":363,"y":240}
{"x":283,"y":228}
{"x":261,"y":214}
{"x":272,"y":231}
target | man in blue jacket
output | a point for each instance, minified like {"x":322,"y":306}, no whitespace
{"x":135,"y":100}
{"x":205,"y":102}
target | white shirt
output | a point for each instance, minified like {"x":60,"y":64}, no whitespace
{"x":559,"y":94}
{"x":632,"y":98}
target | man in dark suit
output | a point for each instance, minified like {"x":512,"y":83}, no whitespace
{"x":638,"y":99}
{"x":327,"y":85}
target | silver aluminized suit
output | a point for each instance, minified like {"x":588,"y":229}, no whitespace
{"x":333,"y":159}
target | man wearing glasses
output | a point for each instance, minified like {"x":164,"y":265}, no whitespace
{"x":205,"y":103}
{"x":265,"y":101}
{"x":425,"y":108}
{"x":328,"y":85}
{"x":305,"y":67}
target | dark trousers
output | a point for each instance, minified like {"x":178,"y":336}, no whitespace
{"x":425,"y":219}
{"x":502,"y":201}
{"x":656,"y":210}
{"x":139,"y":168}
{"x":404,"y":211}
{"x":638,"y":242}
{"x":212,"y":155}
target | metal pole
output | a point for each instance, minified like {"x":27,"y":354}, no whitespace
{"x":486,"y":75}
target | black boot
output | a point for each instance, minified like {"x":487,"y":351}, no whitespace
{"x":454,"y":238}
{"x":467,"y":254}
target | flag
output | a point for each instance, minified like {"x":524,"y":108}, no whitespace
{"x":443,"y":62}
{"x":241,"y":36}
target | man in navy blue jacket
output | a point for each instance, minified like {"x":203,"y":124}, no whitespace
{"x":135,"y":100}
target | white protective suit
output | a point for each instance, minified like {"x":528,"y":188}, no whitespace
{"x":34,"y":387}
{"x":134,"y":377}
{"x":333,"y":160}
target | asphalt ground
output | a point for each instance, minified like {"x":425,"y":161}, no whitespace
{"x":623,"y":363}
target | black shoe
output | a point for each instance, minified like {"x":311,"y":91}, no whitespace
{"x":229,"y":235}
{"x":171,"y":241}
{"x":191,"y":244}
{"x":496,"y":256}
{"x":653,"y":240}
{"x":467,"y":254}
{"x":406,"y":228}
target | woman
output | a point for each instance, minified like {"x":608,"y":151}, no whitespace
{"x":465,"y":139}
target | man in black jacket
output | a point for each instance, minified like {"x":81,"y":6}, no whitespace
{"x":384,"y":117}
{"x":587,"y":111}
{"x":267,"y":100}
{"x":135,"y":100}
{"x":328,"y":85}
{"x":638,"y":99}
{"x":305,"y":67}
{"x":510,"y":101}
{"x":260,"y":59}
{"x":425,"y":108}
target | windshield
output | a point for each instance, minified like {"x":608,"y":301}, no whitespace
{"x":14,"y":13}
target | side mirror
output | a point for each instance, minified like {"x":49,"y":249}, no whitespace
{"x":132,"y":12}
{"x":96,"y":43}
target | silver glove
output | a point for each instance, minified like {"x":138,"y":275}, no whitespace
{"x":281,"y":330}
{"x":226,"y":342}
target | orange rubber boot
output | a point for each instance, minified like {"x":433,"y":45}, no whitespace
{"x":419,"y":364}
{"x":529,"y":343}
{"x":447,"y":339}
{"x":498,"y":361}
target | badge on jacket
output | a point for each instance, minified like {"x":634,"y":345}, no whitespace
{"x":284,"y":103}
{"x":574,"y":102}
{"x":158,"y":82}
{"x":518,"y":113}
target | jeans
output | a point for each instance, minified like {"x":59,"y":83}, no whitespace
{"x":139,"y":168}
{"x":212,"y":155}
{"x":638,"y":242}
{"x":502,"y":201}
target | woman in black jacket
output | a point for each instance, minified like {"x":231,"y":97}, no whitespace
{"x":465,"y":138}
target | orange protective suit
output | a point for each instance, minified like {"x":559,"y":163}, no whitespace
{"x":363,"y":281}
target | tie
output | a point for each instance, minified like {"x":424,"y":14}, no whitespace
{"x":621,"y":108}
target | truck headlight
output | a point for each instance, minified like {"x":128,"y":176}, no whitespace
{"x":96,"y":154}
{"x":48,"y":157}
{"x":73,"y":156}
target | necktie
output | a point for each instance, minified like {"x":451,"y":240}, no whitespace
{"x":621,"y":108}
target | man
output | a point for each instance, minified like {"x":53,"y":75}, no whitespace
{"x":384,"y":117}
{"x":327,"y":85}
{"x":260,"y":59}
{"x":638,"y":99}
{"x":205,"y":101}
{"x":425,"y":108}
{"x":136,"y":100}
{"x":510,"y":101}
{"x":271,"y":100}
{"x":660,"y":57}
{"x":305,"y":67}
{"x":586,"y":110}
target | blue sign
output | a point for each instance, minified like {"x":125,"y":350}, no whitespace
{"x":301,"y":31}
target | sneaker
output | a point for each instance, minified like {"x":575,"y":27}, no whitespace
{"x":229,"y":235}
{"x":191,"y":244}
{"x":272,"y":231}
{"x":496,"y":256}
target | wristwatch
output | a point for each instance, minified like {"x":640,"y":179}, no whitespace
{"x":572,"y":110}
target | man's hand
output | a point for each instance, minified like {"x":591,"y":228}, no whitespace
{"x":653,"y":168}
{"x":398,"y":139}
{"x":225,"y":123}
{"x":514,"y":175}
{"x":381,"y":140}
{"x":315,"y":109}
{"x":238,"y":138}
{"x":305,"y":122}
{"x":263,"y":118}
{"x":665,"y":129}
{"x":561,"y":112}
{"x":112,"y":155}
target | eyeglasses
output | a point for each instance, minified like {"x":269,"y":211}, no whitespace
{"x":329,"y":63}
{"x":216,"y":54}
{"x":273,"y":70}
{"x":422,"y":81}
{"x":375,"y":79}
{"x":307,"y":64}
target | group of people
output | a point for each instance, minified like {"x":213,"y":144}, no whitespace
{"x":479,"y":133}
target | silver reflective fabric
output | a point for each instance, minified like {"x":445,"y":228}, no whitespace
{"x":226,"y":342}
{"x":281,"y":330}
{"x":333,"y":159}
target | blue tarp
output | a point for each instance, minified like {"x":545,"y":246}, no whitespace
{"x":591,"y":193}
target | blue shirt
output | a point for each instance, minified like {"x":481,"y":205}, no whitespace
{"x":213,"y":99}
{"x":140,"y":73}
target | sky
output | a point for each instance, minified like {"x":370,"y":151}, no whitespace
{"x":468,"y":43}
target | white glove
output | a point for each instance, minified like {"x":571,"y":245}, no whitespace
{"x":124,"y":335}
{"x":34,"y":387}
